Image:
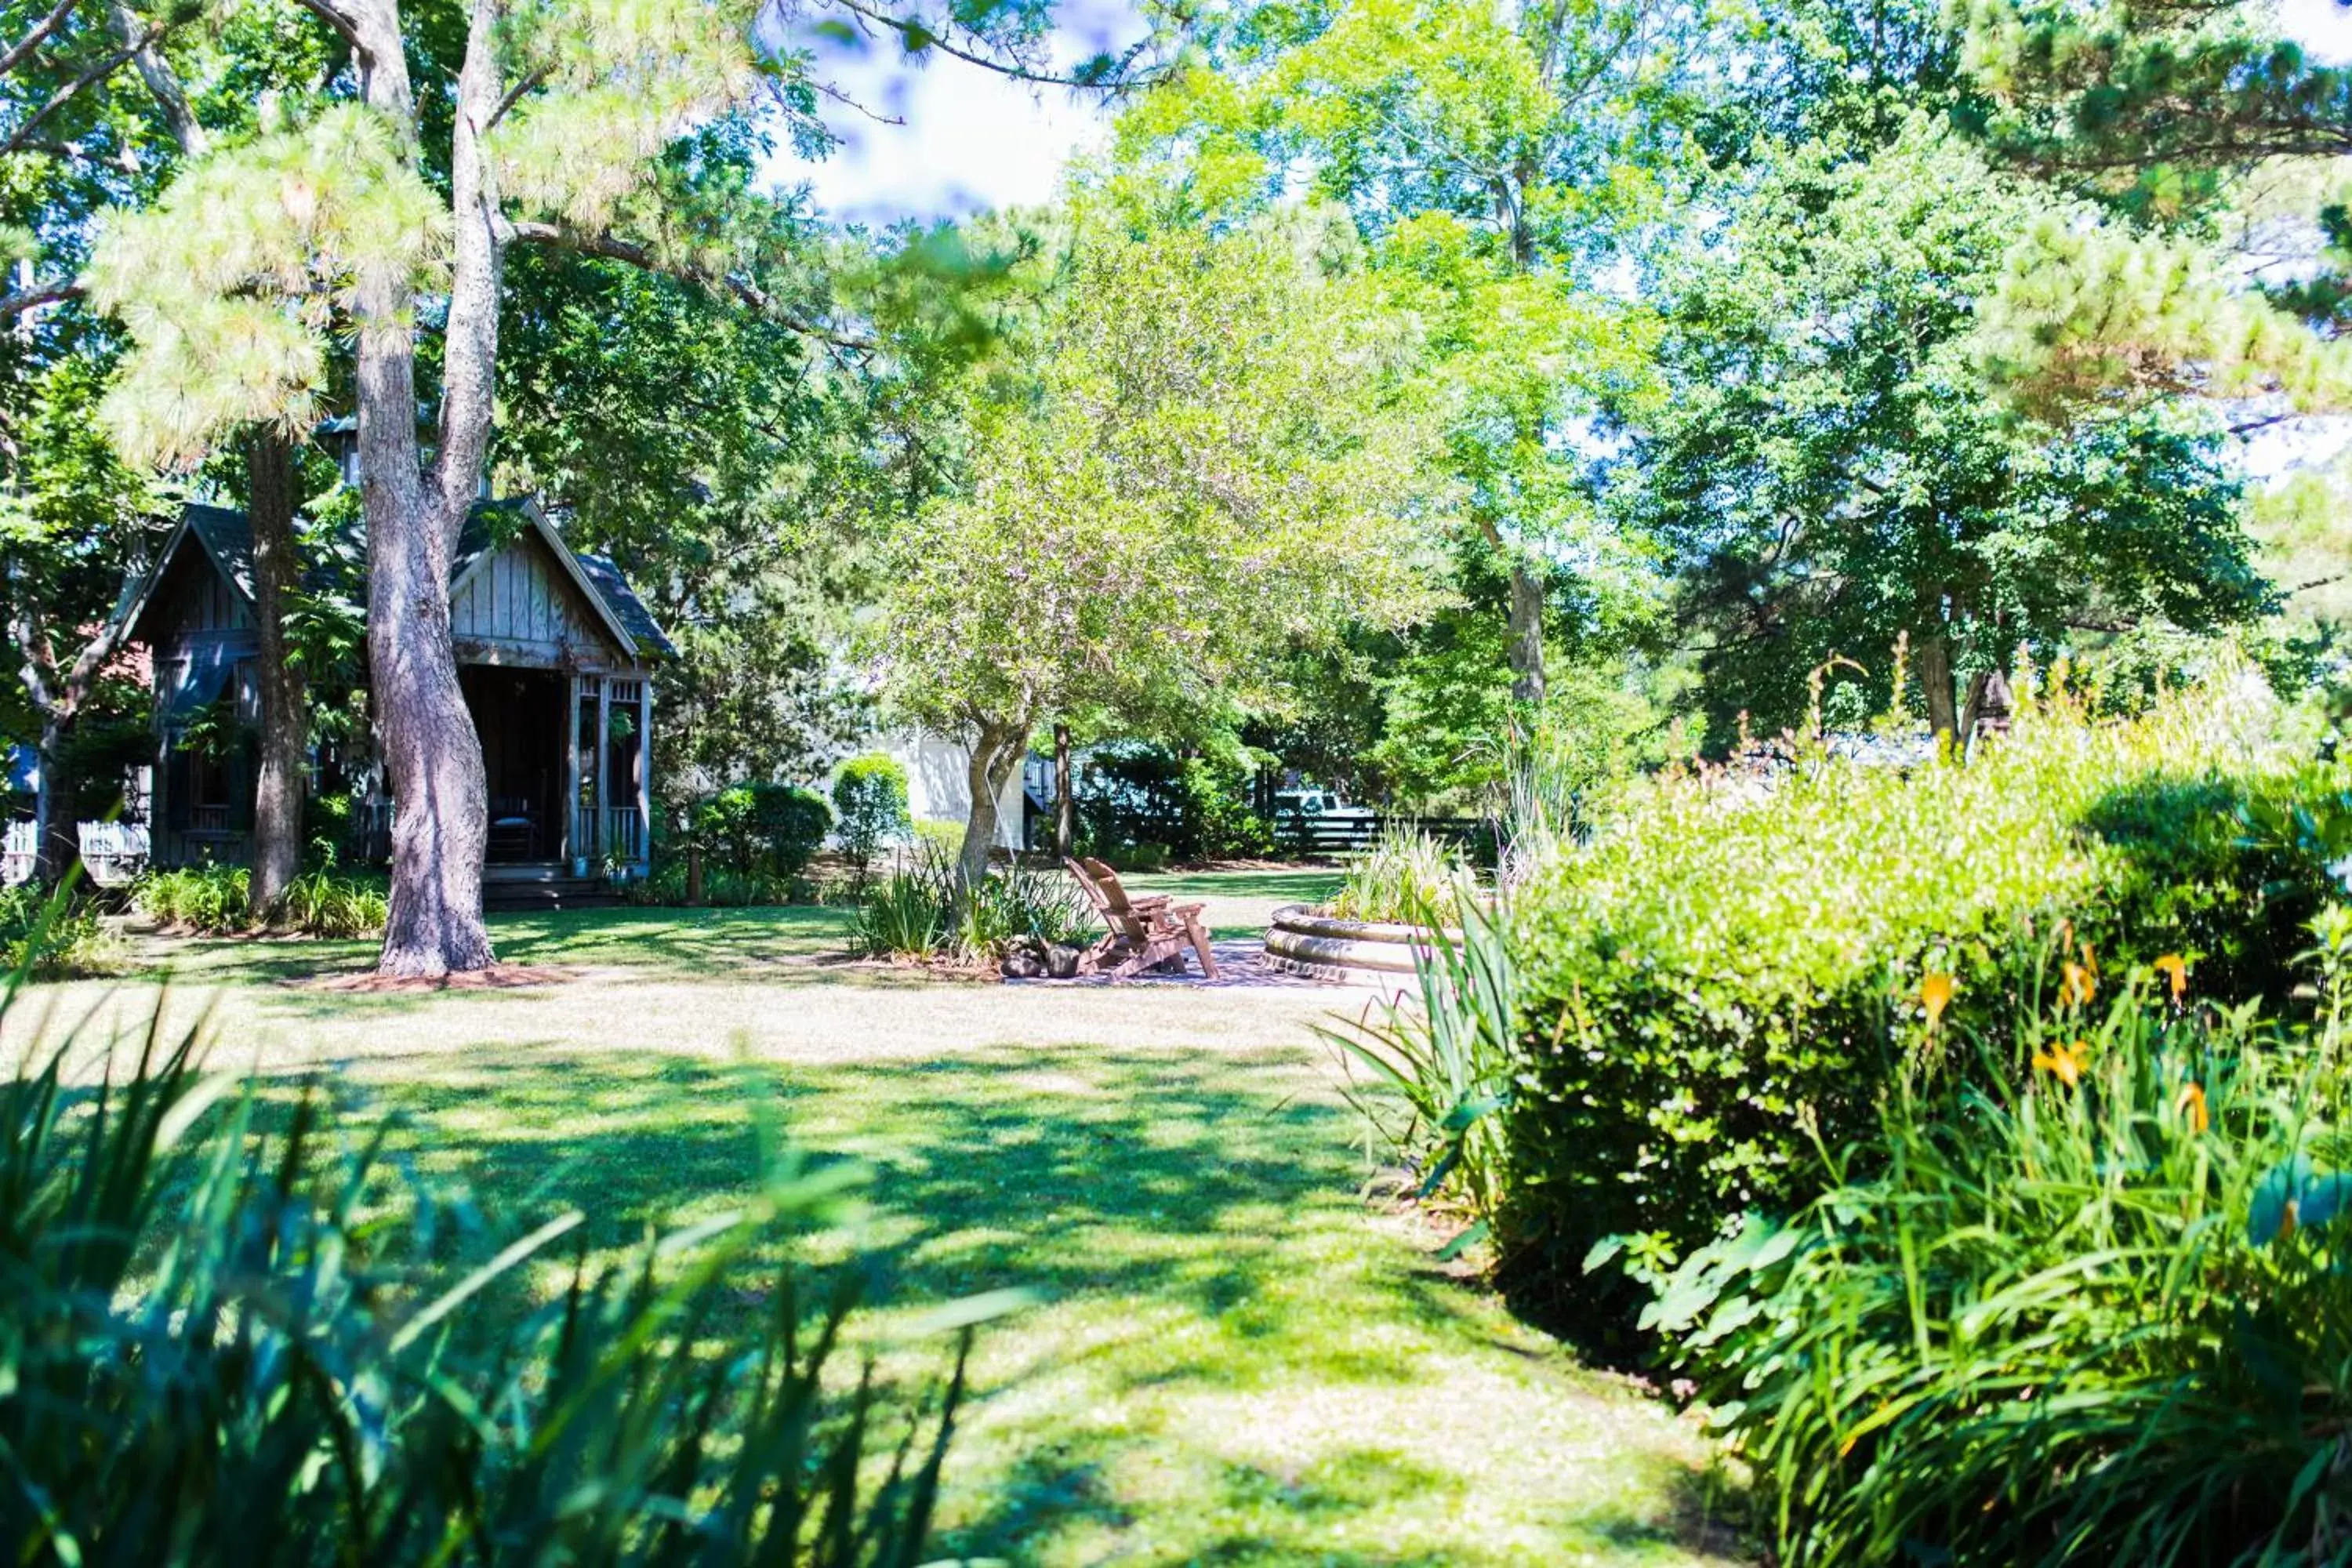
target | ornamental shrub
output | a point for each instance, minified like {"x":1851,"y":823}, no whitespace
{"x":211,"y":901}
{"x":2086,"y":1305}
{"x":1131,"y":795}
{"x":869,"y":804}
{"x":790,"y":823}
{"x":50,"y":935}
{"x":772,"y":828}
{"x":1710,"y":991}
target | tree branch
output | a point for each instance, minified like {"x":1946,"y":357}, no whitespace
{"x":14,"y":305}
{"x":23,"y":47}
{"x":919,"y":36}
{"x":513,"y":96}
{"x":612,"y":247}
{"x":107,"y":66}
{"x":338,"y":21}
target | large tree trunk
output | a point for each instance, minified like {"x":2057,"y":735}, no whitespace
{"x":1526,"y":636}
{"x":285,"y":713}
{"x":1935,"y":668}
{"x":57,"y":842}
{"x":995,"y":752}
{"x":432,"y":757}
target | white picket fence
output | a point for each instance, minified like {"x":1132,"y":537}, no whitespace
{"x":113,"y":852}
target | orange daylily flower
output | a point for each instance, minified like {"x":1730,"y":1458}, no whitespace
{"x":2078,"y":984}
{"x":2175,"y":968}
{"x":2067,"y":1061}
{"x":2191,"y":1105}
{"x":1936,"y":994}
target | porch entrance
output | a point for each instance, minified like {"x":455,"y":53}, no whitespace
{"x":520,"y":715}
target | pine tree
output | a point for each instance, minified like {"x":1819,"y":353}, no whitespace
{"x":388,"y":215}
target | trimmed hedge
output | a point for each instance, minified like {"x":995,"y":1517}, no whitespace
{"x":772,"y":828}
{"x":1712,"y":993}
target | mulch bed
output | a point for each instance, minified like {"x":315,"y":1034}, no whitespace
{"x":497,"y":978}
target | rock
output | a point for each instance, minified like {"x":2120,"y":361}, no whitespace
{"x":1024,"y":958}
{"x":1061,"y":962}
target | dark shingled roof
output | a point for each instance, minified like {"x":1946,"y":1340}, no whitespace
{"x":227,"y":536}
{"x":625,"y":603}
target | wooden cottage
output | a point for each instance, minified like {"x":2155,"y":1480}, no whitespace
{"x":555,"y":654}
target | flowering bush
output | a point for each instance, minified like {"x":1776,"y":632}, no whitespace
{"x":1719,"y":987}
{"x":2085,"y":1303}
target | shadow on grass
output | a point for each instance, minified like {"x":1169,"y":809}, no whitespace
{"x":1192,"y":1221}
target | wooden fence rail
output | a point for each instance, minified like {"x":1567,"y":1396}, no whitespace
{"x":1352,"y":834}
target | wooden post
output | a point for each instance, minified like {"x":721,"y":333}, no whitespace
{"x":1065,"y":808}
{"x":645,"y":768}
{"x":570,"y":834}
{"x":603,"y":757}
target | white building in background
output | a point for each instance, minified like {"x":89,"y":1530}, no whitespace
{"x":938,"y":788}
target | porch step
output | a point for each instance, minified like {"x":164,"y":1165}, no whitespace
{"x":551,"y":890}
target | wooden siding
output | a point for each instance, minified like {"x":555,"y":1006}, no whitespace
{"x":519,"y":608}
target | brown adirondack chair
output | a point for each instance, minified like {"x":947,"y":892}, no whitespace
{"x":1138,"y":932}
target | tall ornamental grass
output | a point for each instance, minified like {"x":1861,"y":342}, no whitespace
{"x":921,"y":909}
{"x":2088,"y":1304}
{"x":216,"y":1348}
{"x":1438,"y":1068}
{"x":1405,"y":876}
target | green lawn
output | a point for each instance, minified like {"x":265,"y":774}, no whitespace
{"x":1235,"y":1358}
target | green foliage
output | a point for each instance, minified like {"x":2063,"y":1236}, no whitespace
{"x":1132,"y":795}
{"x":869,"y":804}
{"x":212,"y":900}
{"x":750,"y":527}
{"x":50,"y":935}
{"x":1712,"y":986}
{"x":196,"y":898}
{"x":319,"y":903}
{"x":1405,"y":876}
{"x":723,"y":887}
{"x":769,"y":827}
{"x":923,"y":910}
{"x":1822,"y":495}
{"x":1209,"y":460}
{"x":212,"y":1349}
{"x":1450,"y":1059}
{"x":2087,"y":1306}
{"x":930,"y":832}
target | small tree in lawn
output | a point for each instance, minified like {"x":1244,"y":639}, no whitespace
{"x":1210,"y":464}
{"x":869,"y":804}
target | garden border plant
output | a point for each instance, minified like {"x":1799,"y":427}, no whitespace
{"x":214,"y":1348}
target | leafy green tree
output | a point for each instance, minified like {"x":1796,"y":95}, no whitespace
{"x":725,"y":460}
{"x":1831,"y":475}
{"x":869,"y":805}
{"x":1207,"y":466}
{"x":74,"y":524}
{"x":1498,"y":160}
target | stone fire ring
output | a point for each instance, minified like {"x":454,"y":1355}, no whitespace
{"x":1302,"y":942}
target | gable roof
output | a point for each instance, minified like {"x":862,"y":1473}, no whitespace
{"x":226,"y":538}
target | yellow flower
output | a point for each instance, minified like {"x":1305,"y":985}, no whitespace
{"x":2191,"y":1106}
{"x":2077,"y":984}
{"x":2067,"y":1061}
{"x":1936,"y":994}
{"x":2175,"y":968}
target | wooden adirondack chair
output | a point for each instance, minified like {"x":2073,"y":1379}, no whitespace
{"x":1139,"y":933}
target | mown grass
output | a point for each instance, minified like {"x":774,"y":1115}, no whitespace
{"x":1235,"y":1358}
